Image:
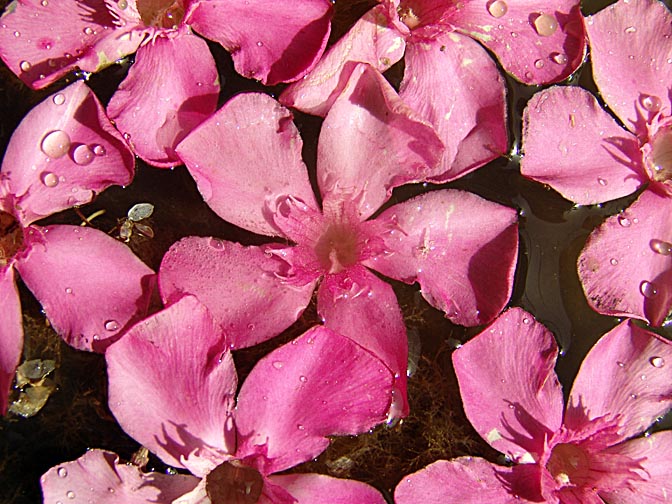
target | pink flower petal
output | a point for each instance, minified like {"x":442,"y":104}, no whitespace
{"x":252,"y":137}
{"x":537,"y":42}
{"x":11,"y":334}
{"x":626,"y":264}
{"x":171,"y":387}
{"x":237,"y":284}
{"x":509,"y":389}
{"x":321,"y":489}
{"x":372,"y":40}
{"x":98,"y":476}
{"x":635,"y":79}
{"x":170,"y":89}
{"x":90,"y":285}
{"x":578,"y":149}
{"x":371,"y":142}
{"x":461,"y":248}
{"x":269,"y":41}
{"x":625,"y":376}
{"x":63,"y":152}
{"x":321,"y":384}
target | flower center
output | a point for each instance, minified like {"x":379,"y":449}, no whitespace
{"x":569,"y":464}
{"x":234,"y":483}
{"x":337,"y":248}
{"x":660,"y":157}
{"x":11,"y":237}
{"x":161,"y":13}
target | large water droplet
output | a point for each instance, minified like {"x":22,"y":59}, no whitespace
{"x":657,"y":362}
{"x":497,"y":8}
{"x":82,"y":155}
{"x":546,"y":25}
{"x":648,"y":289}
{"x":111,"y":325}
{"x":49,"y":179}
{"x":661,"y":247}
{"x":58,"y":99}
{"x":559,"y":58}
{"x":55,"y":144}
{"x":651,"y":103}
{"x":25,"y":66}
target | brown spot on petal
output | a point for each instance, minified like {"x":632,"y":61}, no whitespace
{"x":11,"y":237}
{"x":234,"y":483}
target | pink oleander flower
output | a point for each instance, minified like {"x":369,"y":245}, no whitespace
{"x":173,"y":387}
{"x":449,"y":77}
{"x":173,"y":84}
{"x":63,"y":152}
{"x":246,"y":160}
{"x":590,"y":454}
{"x":577,"y":148}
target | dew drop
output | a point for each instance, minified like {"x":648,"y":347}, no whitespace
{"x":613,"y":261}
{"x":661,"y":247}
{"x":82,"y":155}
{"x":25,"y":66}
{"x":300,"y":427}
{"x":601,"y":181}
{"x":111,"y":325}
{"x":648,"y":289}
{"x":44,"y":3}
{"x":526,"y":321}
{"x":58,"y":99}
{"x":539,"y":64}
{"x":62,"y":472}
{"x":260,"y":44}
{"x":630,"y":29}
{"x":99,"y":150}
{"x":657,"y":362}
{"x":17,"y":34}
{"x":88,"y":31}
{"x":498,"y":8}
{"x":546,"y":25}
{"x":55,"y":144}
{"x":559,"y":58}
{"x":278,"y":364}
{"x":49,"y":179}
{"x":216,"y":243}
{"x":303,"y":379}
{"x":624,"y":221}
{"x":122,"y":4}
{"x":651,"y":103}
{"x":68,"y":290}
{"x":620,"y":364}
{"x":70,"y":494}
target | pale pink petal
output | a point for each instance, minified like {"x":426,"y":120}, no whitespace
{"x":536,"y":42}
{"x":627,"y":376}
{"x":11,"y":333}
{"x":321,"y":384}
{"x":357,"y":304}
{"x":509,"y":389}
{"x":372,"y":142}
{"x":626,"y":264}
{"x":454,"y":84}
{"x":268,"y":40}
{"x":91,"y":286}
{"x":252,"y":137}
{"x":171,"y":386}
{"x":460,"y":248}
{"x":98,"y":476}
{"x":237,"y":284}
{"x":321,"y":489}
{"x":636,"y":78}
{"x":577,"y":148}
{"x":373,"y":39}
{"x":170,"y":89}
{"x":64,"y":151}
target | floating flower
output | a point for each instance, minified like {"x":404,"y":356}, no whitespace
{"x":63,"y":152}
{"x":591,"y":454}
{"x":173,"y":388}
{"x":173,"y":84}
{"x":577,"y":148}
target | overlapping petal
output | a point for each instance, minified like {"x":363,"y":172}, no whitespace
{"x":321,"y":489}
{"x":11,"y":333}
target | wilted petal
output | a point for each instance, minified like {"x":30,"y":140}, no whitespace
{"x":91,"y":286}
{"x":321,"y":489}
{"x":626,"y":265}
{"x":577,"y":148}
{"x":509,"y":389}
{"x":64,"y":151}
{"x":11,"y":333}
{"x":170,"y":89}
{"x":321,"y":384}
{"x":98,"y":476}
{"x":252,"y":137}
{"x":461,"y":248}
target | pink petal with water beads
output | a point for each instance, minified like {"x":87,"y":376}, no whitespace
{"x":269,"y":41}
{"x":373,"y":40}
{"x":252,"y":137}
{"x":170,"y":89}
{"x":63,"y":152}
{"x":626,"y":265}
{"x":577,"y":148}
{"x":509,"y":389}
{"x":454,"y":84}
{"x":68,"y":268}
{"x":536,"y":42}
{"x":627,"y":375}
{"x":236,"y":283}
{"x":321,"y":384}
{"x":460,"y":248}
{"x":11,"y":333}
{"x":98,"y":476}
{"x":631,"y":55}
{"x":321,"y":489}
{"x":371,"y":142}
{"x":172,"y":385}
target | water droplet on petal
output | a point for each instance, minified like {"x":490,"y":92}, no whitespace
{"x":651,"y":103}
{"x":70,"y":494}
{"x":526,"y":321}
{"x":630,"y":29}
{"x":44,"y":3}
{"x":657,"y":362}
{"x":497,"y":8}
{"x":303,"y":379}
{"x":559,"y":58}
{"x":68,"y":290}
{"x":55,"y":144}
{"x":88,"y":31}
{"x":300,"y":427}
{"x":648,"y":289}
{"x":58,"y":99}
{"x":25,"y":66}
{"x":17,"y":33}
{"x":613,"y":261}
{"x":62,"y":472}
{"x":82,"y":155}
{"x":539,"y":64}
{"x":111,"y":325}
{"x":49,"y":179}
{"x":620,"y":364}
{"x":278,"y":364}
{"x":546,"y":25}
{"x":216,"y":243}
{"x":122,"y":4}
{"x":661,"y":247}
{"x":260,"y":44}
{"x":99,"y":150}
{"x":624,"y":221}
{"x":601,"y":181}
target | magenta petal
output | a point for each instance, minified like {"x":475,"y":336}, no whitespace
{"x":269,"y":41}
{"x":577,"y":148}
{"x":637,"y":77}
{"x":321,"y":489}
{"x":68,"y":269}
{"x":252,"y":137}
{"x":626,"y":266}
{"x":63,"y":152}
{"x":11,"y":334}
{"x":321,"y":384}
{"x":454,"y":84}
{"x":172,"y":384}
{"x":626,"y":376}
{"x":371,"y":142}
{"x":368,"y":41}
{"x":461,"y":248}
{"x":98,"y":476}
{"x":237,"y":284}
{"x":170,"y":89}
{"x":509,"y":389}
